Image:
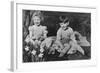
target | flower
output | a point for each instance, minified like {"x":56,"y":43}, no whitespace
{"x":33,"y":52}
{"x":40,"y":55}
{"x":41,"y":50}
{"x":27,"y":40}
{"x":26,"y":48}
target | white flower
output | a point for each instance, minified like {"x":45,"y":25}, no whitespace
{"x":40,"y":55}
{"x":33,"y":52}
{"x":59,"y":50}
{"x":39,"y":42}
{"x":41,"y":50}
{"x":27,"y":39}
{"x":26,"y":48}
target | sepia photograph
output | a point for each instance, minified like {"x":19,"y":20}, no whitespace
{"x":49,"y":36}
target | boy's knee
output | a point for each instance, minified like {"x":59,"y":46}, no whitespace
{"x":66,"y":45}
{"x":65,"y":50}
{"x":72,"y":43}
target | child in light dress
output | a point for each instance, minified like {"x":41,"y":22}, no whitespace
{"x":37,"y":32}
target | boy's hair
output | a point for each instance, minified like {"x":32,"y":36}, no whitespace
{"x":64,"y":19}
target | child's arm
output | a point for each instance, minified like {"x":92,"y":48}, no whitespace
{"x":59,"y":35}
{"x":30,"y":31}
{"x":45,"y":32}
{"x":58,"y":40}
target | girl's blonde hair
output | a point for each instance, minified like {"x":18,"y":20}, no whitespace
{"x":37,"y":13}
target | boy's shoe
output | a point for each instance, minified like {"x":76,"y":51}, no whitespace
{"x":61,"y":54}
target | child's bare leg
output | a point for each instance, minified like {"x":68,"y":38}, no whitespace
{"x":74,"y":47}
{"x":62,"y":53}
{"x":80,"y":49}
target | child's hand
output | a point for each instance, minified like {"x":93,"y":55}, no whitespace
{"x":72,"y":51}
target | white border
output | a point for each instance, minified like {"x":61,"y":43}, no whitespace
{"x":17,"y":52}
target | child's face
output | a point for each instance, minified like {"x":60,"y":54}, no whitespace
{"x":36,"y":20}
{"x":64,"y":25}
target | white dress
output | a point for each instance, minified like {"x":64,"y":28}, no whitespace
{"x":37,"y":33}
